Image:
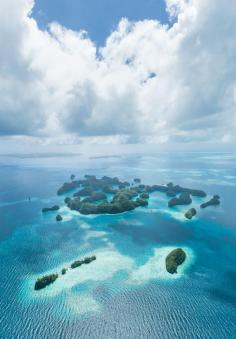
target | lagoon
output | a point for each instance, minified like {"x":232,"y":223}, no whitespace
{"x":126,"y":292}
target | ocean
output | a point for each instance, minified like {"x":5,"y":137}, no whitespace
{"x":126,"y":292}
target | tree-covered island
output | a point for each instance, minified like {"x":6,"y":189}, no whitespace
{"x":174,"y":259}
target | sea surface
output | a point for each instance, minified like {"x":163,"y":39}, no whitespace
{"x":126,"y":292}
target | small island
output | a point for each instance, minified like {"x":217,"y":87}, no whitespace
{"x":50,"y":209}
{"x":49,"y":279}
{"x":212,"y":202}
{"x":183,"y":199}
{"x":190,"y":213}
{"x":63,"y":271}
{"x":59,"y":217}
{"x":174,"y":259}
{"x":172,"y":190}
{"x":45,"y":281}
{"x":86,"y":260}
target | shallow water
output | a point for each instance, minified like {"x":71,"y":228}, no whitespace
{"x":126,"y":292}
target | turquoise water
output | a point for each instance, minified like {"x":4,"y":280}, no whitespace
{"x":126,"y":292}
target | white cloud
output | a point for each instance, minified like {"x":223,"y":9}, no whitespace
{"x":21,"y":104}
{"x":56,"y":83}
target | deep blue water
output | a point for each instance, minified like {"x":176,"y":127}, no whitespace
{"x":126,"y":292}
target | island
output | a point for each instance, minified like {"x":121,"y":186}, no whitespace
{"x":86,"y":260}
{"x":183,"y":199}
{"x":110,"y":195}
{"x":172,"y":190}
{"x":50,"y":209}
{"x":86,"y":191}
{"x":144,"y":195}
{"x":174,"y":259}
{"x":49,"y":279}
{"x":123,"y":200}
{"x":190,"y":213}
{"x":68,"y":186}
{"x":141,"y":202}
{"x":59,"y":217}
{"x":45,"y":281}
{"x":76,"y":263}
{"x":212,"y":202}
{"x":92,"y":196}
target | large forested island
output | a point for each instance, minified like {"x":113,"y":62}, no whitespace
{"x":107,"y":195}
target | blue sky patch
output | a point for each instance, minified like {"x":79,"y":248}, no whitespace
{"x":98,"y":17}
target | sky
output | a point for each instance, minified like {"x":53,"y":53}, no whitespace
{"x":118,"y":73}
{"x":98,"y":18}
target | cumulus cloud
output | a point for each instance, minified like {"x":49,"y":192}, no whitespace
{"x":150,"y":82}
{"x":21,"y":90}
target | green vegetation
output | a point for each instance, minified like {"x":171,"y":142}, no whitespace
{"x":109,"y":190}
{"x":174,"y":259}
{"x":74,"y":204}
{"x":84,"y":192}
{"x":63,"y":271}
{"x":67,"y":200}
{"x":49,"y":279}
{"x":172,"y":190}
{"x":111,"y":196}
{"x":97,"y":196}
{"x":144,"y":195}
{"x":67,"y":187}
{"x":121,"y":202}
{"x":86,"y":260}
{"x":212,"y":202}
{"x":76,"y":263}
{"x":45,"y":281}
{"x":190,"y":213}
{"x":141,"y":202}
{"x":94,"y":195}
{"x":59,"y":217}
{"x":183,"y":199}
{"x":50,"y":209}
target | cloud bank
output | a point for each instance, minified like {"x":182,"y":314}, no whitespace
{"x":150,"y":83}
